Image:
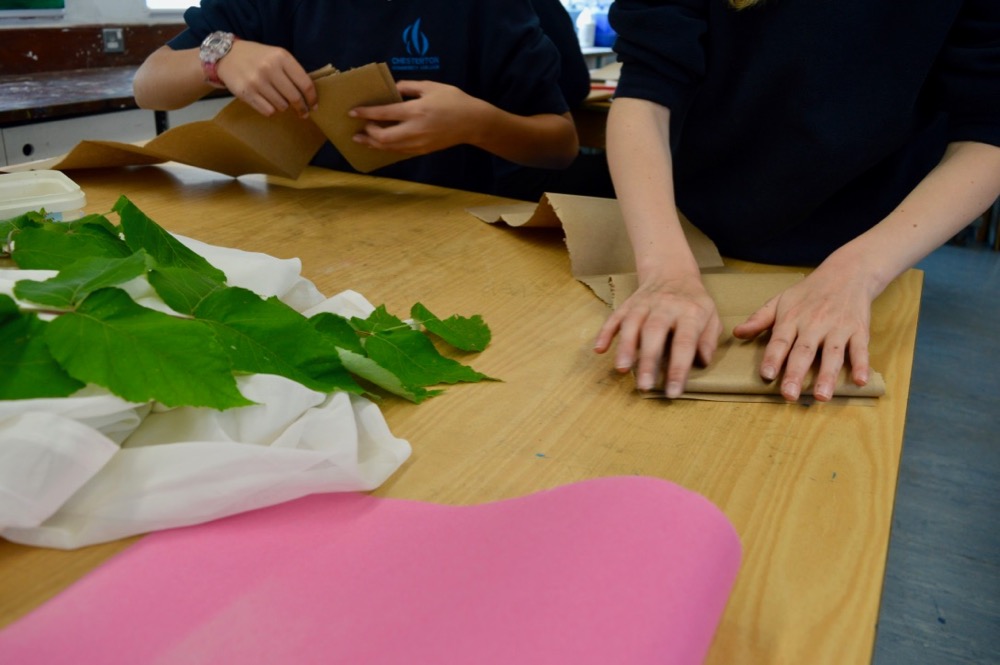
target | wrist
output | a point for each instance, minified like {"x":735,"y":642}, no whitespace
{"x":215,"y":47}
{"x":666,"y":267}
{"x":873,"y":272}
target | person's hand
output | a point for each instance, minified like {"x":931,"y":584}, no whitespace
{"x":667,"y":310}
{"x":268,"y":78}
{"x":826,"y":315}
{"x":432,"y":117}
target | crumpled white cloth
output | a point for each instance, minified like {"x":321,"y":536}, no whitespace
{"x":92,"y":467}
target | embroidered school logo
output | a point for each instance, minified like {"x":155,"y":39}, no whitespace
{"x":417,"y":46}
{"x":416,"y":41}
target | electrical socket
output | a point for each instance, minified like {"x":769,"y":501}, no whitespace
{"x":114,"y":40}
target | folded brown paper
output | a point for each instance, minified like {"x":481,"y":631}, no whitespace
{"x":601,"y":257}
{"x":239,"y":140}
{"x":595,"y":235}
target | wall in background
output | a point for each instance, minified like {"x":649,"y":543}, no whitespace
{"x":99,"y":12}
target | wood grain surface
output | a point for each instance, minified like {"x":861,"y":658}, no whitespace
{"x":809,"y":488}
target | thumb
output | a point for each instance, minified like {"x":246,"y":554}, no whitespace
{"x":758,"y":322}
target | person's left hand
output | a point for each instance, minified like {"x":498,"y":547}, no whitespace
{"x":826,"y":315}
{"x":432,"y":117}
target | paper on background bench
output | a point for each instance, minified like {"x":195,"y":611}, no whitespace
{"x":601,"y":257}
{"x":623,"y":570}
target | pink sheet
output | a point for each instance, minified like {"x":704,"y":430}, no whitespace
{"x":607,"y":571}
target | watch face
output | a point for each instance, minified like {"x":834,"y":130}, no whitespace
{"x":215,"y":46}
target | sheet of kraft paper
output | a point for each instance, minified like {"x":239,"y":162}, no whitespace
{"x":240,"y":141}
{"x":601,"y":257}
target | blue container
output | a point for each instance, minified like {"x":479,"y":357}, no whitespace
{"x":604,"y":35}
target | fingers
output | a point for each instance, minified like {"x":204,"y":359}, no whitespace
{"x":683,"y":347}
{"x":281,"y":92}
{"x":607,"y":332}
{"x":800,"y":360}
{"x":799,"y":354}
{"x":381,"y":113}
{"x":268,"y":78}
{"x":858,"y":352}
{"x":652,"y":342}
{"x":410,"y":88}
{"x":657,"y":329}
{"x":709,"y":342}
{"x":758,"y":322}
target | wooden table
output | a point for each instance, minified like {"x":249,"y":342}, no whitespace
{"x":809,"y":489}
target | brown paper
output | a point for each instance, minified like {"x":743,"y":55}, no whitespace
{"x":595,"y":235}
{"x":601,"y":257}
{"x":239,"y":140}
{"x":371,"y":85}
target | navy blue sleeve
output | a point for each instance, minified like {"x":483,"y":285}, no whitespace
{"x":574,"y":76}
{"x":661,"y":47}
{"x":520,"y":64}
{"x":968,"y":74}
{"x":265,"y":22}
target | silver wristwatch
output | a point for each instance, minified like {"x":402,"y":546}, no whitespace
{"x":213,"y":48}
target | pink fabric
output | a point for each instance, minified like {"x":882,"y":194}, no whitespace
{"x":614,"y":570}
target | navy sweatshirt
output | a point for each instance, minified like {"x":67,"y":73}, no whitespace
{"x":798,"y":124}
{"x":495,"y":50}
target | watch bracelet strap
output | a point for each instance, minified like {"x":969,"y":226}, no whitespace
{"x":210,"y":70}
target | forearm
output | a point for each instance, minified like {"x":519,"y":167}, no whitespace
{"x":544,"y":141}
{"x":641,"y":168}
{"x":964,"y":183}
{"x":170,"y":79}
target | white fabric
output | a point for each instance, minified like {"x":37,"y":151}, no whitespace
{"x":92,"y":467}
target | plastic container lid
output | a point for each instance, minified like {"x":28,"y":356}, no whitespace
{"x":25,"y":191}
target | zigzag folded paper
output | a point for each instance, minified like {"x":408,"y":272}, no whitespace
{"x":239,"y":140}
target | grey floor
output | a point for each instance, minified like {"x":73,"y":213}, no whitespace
{"x":941,"y":598}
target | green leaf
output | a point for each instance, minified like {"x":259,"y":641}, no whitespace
{"x":182,"y":289}
{"x":411,"y":356}
{"x":269,"y":337}
{"x":80,"y":279}
{"x":8,"y":308}
{"x":8,"y":227}
{"x":465,"y":333}
{"x":27,"y":369}
{"x":55,"y":245}
{"x":371,"y":371}
{"x":143,"y":233}
{"x":142,"y":355}
{"x":379,"y":321}
{"x":339,"y":330}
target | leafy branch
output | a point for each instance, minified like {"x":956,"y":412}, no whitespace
{"x":82,"y":327}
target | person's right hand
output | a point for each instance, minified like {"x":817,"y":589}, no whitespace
{"x":672,"y":311}
{"x":268,"y":78}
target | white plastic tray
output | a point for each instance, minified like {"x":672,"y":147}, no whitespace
{"x":53,"y":191}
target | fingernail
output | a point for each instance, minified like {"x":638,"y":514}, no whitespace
{"x":768,"y":372}
{"x":674,"y":390}
{"x":645,"y":381}
{"x":790,"y":391}
{"x":861,"y":379}
{"x":823,"y":393}
{"x":352,"y":113}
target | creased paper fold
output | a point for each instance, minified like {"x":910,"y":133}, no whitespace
{"x":601,"y":257}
